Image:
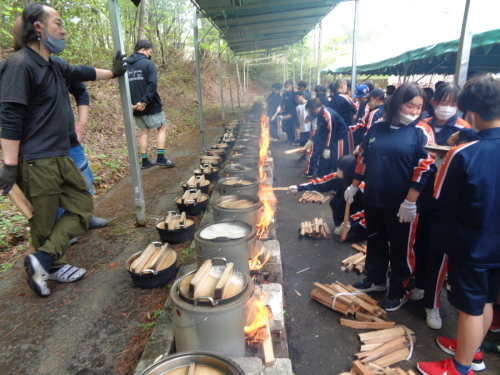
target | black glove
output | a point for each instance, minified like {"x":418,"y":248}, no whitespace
{"x":119,"y":64}
{"x":8,"y":177}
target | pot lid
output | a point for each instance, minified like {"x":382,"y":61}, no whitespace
{"x":231,"y":231}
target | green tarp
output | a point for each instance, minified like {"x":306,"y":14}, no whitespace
{"x":438,"y":58}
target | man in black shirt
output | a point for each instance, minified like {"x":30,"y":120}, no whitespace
{"x":35,"y":143}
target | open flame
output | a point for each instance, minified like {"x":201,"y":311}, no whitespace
{"x":266,"y":193}
{"x":261,"y":313}
{"x":256,"y":263}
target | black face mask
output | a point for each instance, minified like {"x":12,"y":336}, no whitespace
{"x":51,"y":44}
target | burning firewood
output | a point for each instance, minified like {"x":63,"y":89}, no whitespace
{"x":259,"y":331}
{"x":316,"y":229}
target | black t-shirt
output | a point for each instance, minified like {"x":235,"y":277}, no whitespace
{"x":40,"y":86}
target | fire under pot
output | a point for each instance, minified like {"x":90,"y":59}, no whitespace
{"x":210,"y":308}
{"x":231,"y":239}
{"x":245,"y":208}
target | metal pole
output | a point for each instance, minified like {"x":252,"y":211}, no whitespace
{"x":293,"y":65}
{"x":355,"y":48}
{"x":319,"y":51}
{"x":229,"y":77}
{"x":238,"y":84}
{"x":463,"y":54}
{"x":219,"y":67}
{"x":198,"y":78}
{"x":313,"y":57}
{"x":286,"y":69}
{"x":302,"y":59}
{"x":117,"y":35}
{"x":245,"y":77}
{"x":248,"y":77}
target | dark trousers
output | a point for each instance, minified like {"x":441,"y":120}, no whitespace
{"x":389,"y":241}
{"x":273,"y":129}
{"x":289,"y":129}
{"x":304,"y":137}
{"x":314,"y":155}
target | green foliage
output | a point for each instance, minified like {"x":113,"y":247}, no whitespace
{"x":157,"y":313}
{"x":146,"y":326}
{"x":12,"y":226}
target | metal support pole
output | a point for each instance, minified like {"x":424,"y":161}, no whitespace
{"x":229,"y":77}
{"x":245,"y":77}
{"x":319,"y":51}
{"x":293,"y":65}
{"x":302,"y":59}
{"x":126,"y":101}
{"x":198,"y":78}
{"x":463,"y":50}
{"x":248,"y":77}
{"x":238,"y":83}
{"x":355,"y":48}
{"x":286,"y":69}
{"x":219,"y":67}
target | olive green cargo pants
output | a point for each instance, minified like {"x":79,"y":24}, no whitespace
{"x":50,"y":183}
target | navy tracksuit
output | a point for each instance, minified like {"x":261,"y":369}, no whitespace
{"x":331,"y":132}
{"x":345,"y":107}
{"x":431,"y":262}
{"x":289,"y":105}
{"x":273,"y":101}
{"x":358,"y":130}
{"x":392,"y":160}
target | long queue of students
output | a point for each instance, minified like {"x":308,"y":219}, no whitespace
{"x":426,"y":215}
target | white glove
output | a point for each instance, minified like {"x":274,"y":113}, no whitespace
{"x":349,"y":193}
{"x":279,"y":118}
{"x":326,"y":153}
{"x":293,"y":188}
{"x":407,"y":212}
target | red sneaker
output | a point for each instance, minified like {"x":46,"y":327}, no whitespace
{"x":450,"y":346}
{"x":445,"y":367}
{"x":495,"y":324}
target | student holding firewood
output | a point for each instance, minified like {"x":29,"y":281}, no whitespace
{"x":394,"y":166}
{"x":469,"y":191}
{"x":337,"y":182}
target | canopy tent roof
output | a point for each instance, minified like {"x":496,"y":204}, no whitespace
{"x":438,"y":58}
{"x":248,"y":25}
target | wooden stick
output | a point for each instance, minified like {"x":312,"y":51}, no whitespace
{"x":346,"y":221}
{"x":165,"y":252}
{"x":224,"y":281}
{"x":192,"y":368}
{"x":267,"y":347}
{"x":398,"y":331}
{"x":366,"y":325}
{"x":182,"y":220}
{"x":393,"y":358}
{"x":138,"y":264}
{"x":199,"y":278}
{"x":361,"y":249}
{"x":368,"y":318}
{"x":360,"y":368}
{"x":17,"y":197}
{"x":293,"y":151}
{"x":383,"y":350}
{"x":280,"y":188}
{"x":305,"y":269}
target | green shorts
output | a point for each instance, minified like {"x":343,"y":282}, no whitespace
{"x":151,"y":121}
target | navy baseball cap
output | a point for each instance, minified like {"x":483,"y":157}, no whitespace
{"x":361,"y":90}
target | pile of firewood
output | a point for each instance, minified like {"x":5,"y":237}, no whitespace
{"x":312,"y":196}
{"x":349,"y":300}
{"x":316,"y":229}
{"x":356,"y":261}
{"x":381,"y":349}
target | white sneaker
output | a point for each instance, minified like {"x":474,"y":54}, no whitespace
{"x":433,"y":318}
{"x":417,"y":294}
{"x":338,"y":230}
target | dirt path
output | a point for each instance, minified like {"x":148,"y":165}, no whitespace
{"x":90,"y":327}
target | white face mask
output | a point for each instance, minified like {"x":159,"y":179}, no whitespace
{"x":445,"y":112}
{"x":406,"y":119}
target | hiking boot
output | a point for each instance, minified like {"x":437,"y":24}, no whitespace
{"x":147,"y":164}
{"x":433,"y":319}
{"x":446,"y":367}
{"x":450,"y":346}
{"x":164,"y":162}
{"x":97,"y":222}
{"x":304,"y":174}
{"x":369,"y":286}
{"x":495,"y":324}
{"x":416,"y":294}
{"x":390,"y":303}
{"x":37,"y":275}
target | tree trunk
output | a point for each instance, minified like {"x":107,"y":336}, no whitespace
{"x":143,"y":19}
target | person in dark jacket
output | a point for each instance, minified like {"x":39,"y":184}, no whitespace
{"x":431,"y":262}
{"x":467,"y":185}
{"x":146,"y":103}
{"x":289,"y":113}
{"x":394,"y":166}
{"x":302,"y":86}
{"x":273,"y":100}
{"x":341,"y":102}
